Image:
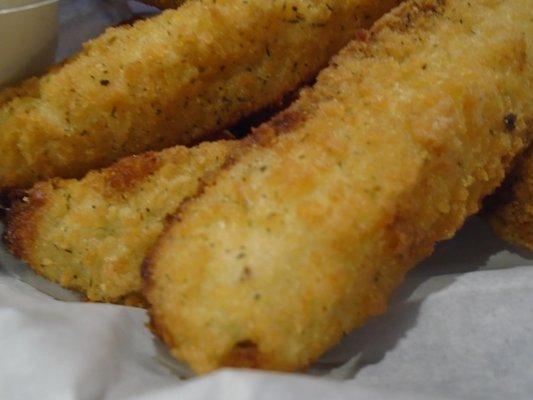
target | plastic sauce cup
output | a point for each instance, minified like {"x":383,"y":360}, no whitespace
{"x":28,"y":38}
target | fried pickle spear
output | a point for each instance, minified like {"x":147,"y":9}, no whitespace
{"x":307,"y":234}
{"x":92,"y":235}
{"x":511,"y":214}
{"x":169,"y":80}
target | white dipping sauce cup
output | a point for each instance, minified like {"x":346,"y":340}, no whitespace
{"x":28,"y":38}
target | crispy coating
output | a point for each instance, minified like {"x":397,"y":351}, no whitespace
{"x":164,"y":3}
{"x":511,"y":211}
{"x":91,"y":235}
{"x":306,"y":235}
{"x":169,"y":80}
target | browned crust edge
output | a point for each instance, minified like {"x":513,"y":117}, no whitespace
{"x":130,"y":171}
{"x":22,"y":221}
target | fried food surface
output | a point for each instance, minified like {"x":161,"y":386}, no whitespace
{"x":91,"y":235}
{"x":307,"y":234}
{"x":164,"y":3}
{"x":169,"y":80}
{"x":511,"y":215}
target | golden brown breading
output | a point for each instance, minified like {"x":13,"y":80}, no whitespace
{"x":170,"y":80}
{"x":306,"y":235}
{"x":164,"y":3}
{"x":91,"y":235}
{"x":511,"y":214}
